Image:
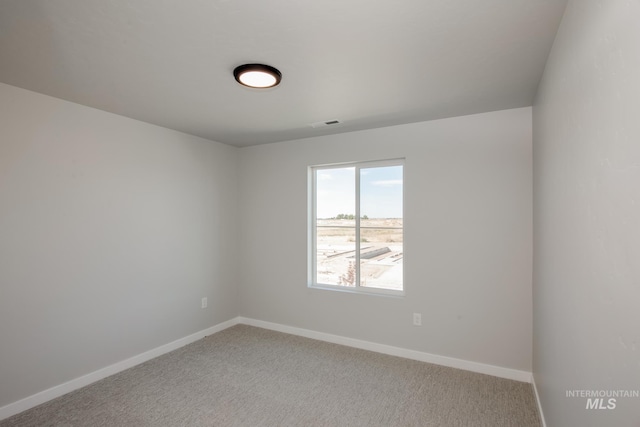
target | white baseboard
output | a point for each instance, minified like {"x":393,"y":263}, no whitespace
{"x":496,"y":371}
{"x":57,"y":391}
{"x":535,"y":391}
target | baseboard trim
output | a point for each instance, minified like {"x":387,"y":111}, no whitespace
{"x":59,"y":390}
{"x":496,"y":371}
{"x":535,"y":391}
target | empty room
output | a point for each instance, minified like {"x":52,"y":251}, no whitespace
{"x":205,"y":207}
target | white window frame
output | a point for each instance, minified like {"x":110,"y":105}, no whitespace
{"x":312,"y":221}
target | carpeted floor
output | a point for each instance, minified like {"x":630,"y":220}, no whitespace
{"x":247,"y":376}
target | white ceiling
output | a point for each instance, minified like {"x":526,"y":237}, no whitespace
{"x":367,"y":63}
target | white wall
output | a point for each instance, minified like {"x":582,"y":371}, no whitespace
{"x":111,"y":231}
{"x":587,"y":215}
{"x":467,"y":238}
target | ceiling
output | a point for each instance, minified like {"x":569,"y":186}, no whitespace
{"x":366,"y":63}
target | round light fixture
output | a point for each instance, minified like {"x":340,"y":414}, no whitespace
{"x":257,"y":75}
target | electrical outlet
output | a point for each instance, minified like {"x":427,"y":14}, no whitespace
{"x":417,"y":319}
{"x":204,"y":302}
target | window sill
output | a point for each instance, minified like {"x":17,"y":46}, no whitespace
{"x":360,"y":290}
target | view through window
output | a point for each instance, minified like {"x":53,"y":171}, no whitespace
{"x":357,"y":225}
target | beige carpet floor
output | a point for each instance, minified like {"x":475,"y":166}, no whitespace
{"x":247,"y":376}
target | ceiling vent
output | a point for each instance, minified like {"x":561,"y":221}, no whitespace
{"x":324,"y":124}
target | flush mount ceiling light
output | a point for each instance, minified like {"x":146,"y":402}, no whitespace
{"x":257,"y":75}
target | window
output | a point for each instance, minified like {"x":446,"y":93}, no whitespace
{"x":356,"y":227}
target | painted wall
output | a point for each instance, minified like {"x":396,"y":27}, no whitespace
{"x":467,"y":238}
{"x":586,"y":131}
{"x":111,"y":232}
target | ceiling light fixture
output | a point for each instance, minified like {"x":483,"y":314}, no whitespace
{"x":257,"y":76}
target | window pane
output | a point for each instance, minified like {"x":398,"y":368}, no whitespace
{"x":381,"y":227}
{"x":335,"y":226}
{"x":335,"y":255}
